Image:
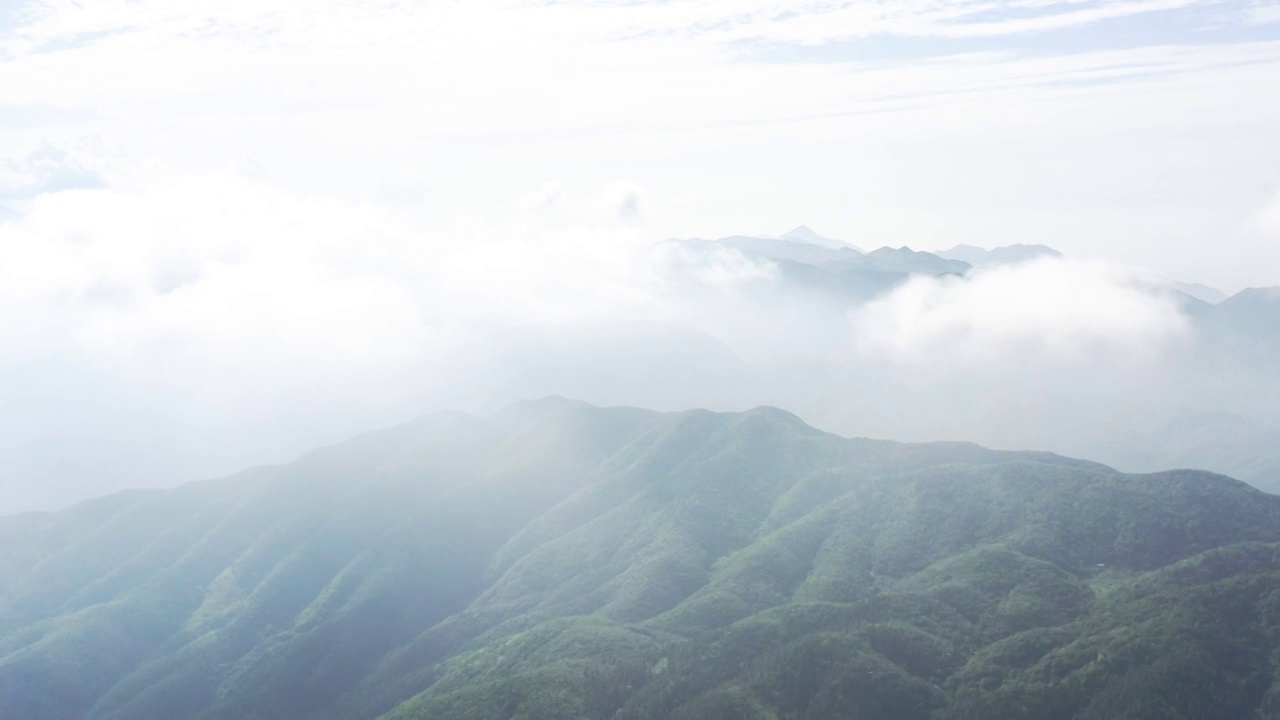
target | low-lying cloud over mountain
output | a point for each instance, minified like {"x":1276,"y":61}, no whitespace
{"x":166,"y":328}
{"x":1049,"y":310}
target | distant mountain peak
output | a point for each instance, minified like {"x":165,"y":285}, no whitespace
{"x":1262,"y":300}
{"x":1260,"y":293}
{"x":805,"y":234}
{"x":904,"y":259}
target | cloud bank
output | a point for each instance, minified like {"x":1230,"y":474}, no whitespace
{"x":420,"y":212}
{"x":1050,"y":310}
{"x":199,"y":323}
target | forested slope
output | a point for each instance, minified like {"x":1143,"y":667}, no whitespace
{"x":563,"y":561}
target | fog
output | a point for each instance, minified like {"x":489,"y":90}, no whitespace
{"x":231,"y":233}
{"x":158,"y":331}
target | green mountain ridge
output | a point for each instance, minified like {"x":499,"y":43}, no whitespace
{"x":559,"y":560}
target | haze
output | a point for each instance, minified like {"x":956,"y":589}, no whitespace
{"x":230,"y":233}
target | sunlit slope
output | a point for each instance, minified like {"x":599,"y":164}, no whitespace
{"x":564,"y":561}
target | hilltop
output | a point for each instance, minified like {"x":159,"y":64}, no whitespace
{"x":562,"y":560}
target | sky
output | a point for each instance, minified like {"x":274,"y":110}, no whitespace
{"x":1140,"y":131}
{"x":233,"y":230}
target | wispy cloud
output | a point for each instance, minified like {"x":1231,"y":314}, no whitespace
{"x":1264,"y":14}
{"x":525,"y":24}
{"x":501,"y":67}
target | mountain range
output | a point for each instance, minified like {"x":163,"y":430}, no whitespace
{"x":559,"y":560}
{"x":810,"y":266}
{"x":1233,"y":354}
{"x":1007,"y":255}
{"x":804,"y":234}
{"x":1247,"y":322}
{"x":846,"y":271}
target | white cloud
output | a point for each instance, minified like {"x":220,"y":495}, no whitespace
{"x":47,"y":168}
{"x":341,"y":21}
{"x":492,"y":66}
{"x":259,"y":323}
{"x":1049,"y":311}
{"x":220,"y":279}
{"x":214,"y":277}
{"x":370,"y":243}
{"x":238,"y":271}
{"x":457,"y":106}
{"x":1265,"y":13}
{"x":204,"y":322}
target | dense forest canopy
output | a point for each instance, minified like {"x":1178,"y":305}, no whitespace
{"x":559,"y":560}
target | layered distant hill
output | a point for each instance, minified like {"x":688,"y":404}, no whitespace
{"x":559,"y":560}
{"x":1008,"y":255}
{"x":1219,"y":390}
{"x":1199,"y":291}
{"x":813,"y":266}
{"x":1247,"y":322}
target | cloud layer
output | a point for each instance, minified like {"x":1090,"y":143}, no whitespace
{"x":1106,"y":128}
{"x":203,"y":322}
{"x":232,"y":232}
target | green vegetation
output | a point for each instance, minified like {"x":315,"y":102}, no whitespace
{"x":564,"y":561}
